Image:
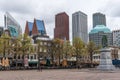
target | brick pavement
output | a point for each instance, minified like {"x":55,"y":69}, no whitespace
{"x":60,"y":74}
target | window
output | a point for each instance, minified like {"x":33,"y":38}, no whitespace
{"x":31,"y":57}
{"x":35,"y":57}
{"x":40,"y":49}
{"x":22,"y":56}
{"x":45,"y":43}
{"x":18,"y":56}
{"x":28,"y":56}
{"x":49,"y":44}
{"x":14,"y":56}
{"x":41,"y":43}
{"x":45,"y":50}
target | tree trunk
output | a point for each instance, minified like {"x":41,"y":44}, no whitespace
{"x":91,"y":59}
{"x":66,"y":56}
{"x":59,"y":59}
{"x":16,"y":61}
{"x":52,"y":58}
{"x":23,"y":59}
{"x":77,"y":61}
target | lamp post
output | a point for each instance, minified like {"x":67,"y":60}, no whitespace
{"x":39,"y":52}
{"x":38,"y":60}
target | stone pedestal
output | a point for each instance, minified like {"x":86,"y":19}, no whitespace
{"x":105,"y":60}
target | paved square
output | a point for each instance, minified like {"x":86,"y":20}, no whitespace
{"x":60,"y":74}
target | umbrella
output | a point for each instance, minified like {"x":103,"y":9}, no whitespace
{"x":3,"y":61}
{"x":6,"y":62}
{"x":64,"y":63}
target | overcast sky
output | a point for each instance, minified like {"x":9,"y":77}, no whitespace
{"x":46,"y":10}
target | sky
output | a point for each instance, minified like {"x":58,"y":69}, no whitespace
{"x":27,"y":10}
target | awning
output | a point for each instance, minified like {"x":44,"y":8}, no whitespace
{"x":33,"y":62}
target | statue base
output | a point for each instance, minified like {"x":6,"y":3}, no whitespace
{"x":105,"y":60}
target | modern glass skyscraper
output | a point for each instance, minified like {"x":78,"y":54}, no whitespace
{"x":12,"y":25}
{"x":79,"y":26}
{"x":35,"y":28}
{"x":99,"y":19}
{"x":28,"y":28}
{"x":97,"y":33}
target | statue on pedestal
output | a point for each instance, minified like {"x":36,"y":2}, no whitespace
{"x":105,"y":56}
{"x":104,"y":41}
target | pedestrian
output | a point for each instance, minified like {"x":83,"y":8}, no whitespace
{"x":79,"y":66}
{"x":40,"y":68}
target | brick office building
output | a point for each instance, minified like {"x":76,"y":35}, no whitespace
{"x":61,"y":30}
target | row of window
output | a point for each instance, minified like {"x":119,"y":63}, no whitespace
{"x":34,"y":56}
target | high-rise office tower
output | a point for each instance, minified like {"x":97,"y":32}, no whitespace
{"x":12,"y":25}
{"x":61,"y":30}
{"x":97,"y":33}
{"x":79,"y":26}
{"x":99,"y":19}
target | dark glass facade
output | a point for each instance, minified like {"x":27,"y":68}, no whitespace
{"x":99,"y":19}
{"x":35,"y":28}
{"x":12,"y":25}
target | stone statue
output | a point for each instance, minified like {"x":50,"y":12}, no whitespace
{"x":104,"y":41}
{"x":105,"y":56}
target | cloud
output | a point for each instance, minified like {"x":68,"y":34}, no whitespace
{"x":16,"y":6}
{"x":112,"y":8}
{"x":50,"y":29}
{"x":112,"y":11}
{"x":46,"y":10}
{"x":29,"y":9}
